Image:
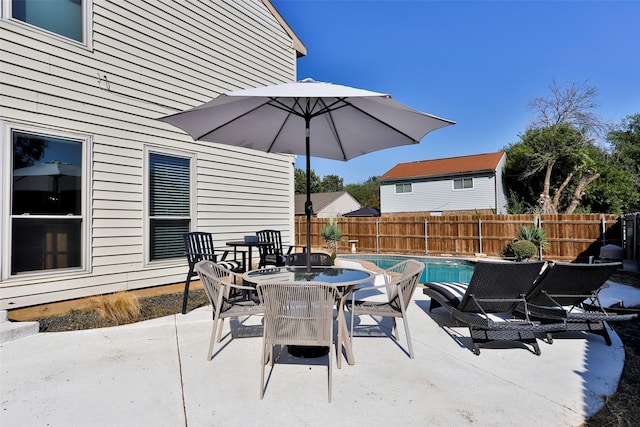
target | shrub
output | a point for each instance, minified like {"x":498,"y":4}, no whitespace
{"x":535,"y":235}
{"x":121,"y":307}
{"x":524,"y":249}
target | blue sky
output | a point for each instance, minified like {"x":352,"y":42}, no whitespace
{"x":478,"y":63}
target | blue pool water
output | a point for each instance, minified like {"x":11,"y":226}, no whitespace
{"x":436,"y":269}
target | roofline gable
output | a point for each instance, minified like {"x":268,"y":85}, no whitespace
{"x":297,"y":44}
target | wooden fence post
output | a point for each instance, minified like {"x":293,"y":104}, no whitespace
{"x":480,"y":234}
{"x":426,"y":238}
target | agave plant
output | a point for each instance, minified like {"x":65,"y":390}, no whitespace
{"x":535,"y":235}
{"x":332,"y":234}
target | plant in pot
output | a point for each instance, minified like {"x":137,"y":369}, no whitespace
{"x":332,"y":234}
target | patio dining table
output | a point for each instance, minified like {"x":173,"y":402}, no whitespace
{"x":249,"y":245}
{"x":345,"y":279}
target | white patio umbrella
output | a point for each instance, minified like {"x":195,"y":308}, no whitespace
{"x":52,"y":176}
{"x":337,"y":122}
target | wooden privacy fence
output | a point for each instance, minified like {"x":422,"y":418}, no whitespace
{"x":570,"y":237}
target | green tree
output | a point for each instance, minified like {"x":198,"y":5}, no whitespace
{"x":300,"y":182}
{"x":625,"y":142}
{"x":366,"y":193}
{"x":331,"y":183}
{"x":553,"y":158}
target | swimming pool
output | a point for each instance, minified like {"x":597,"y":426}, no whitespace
{"x":435,"y":270}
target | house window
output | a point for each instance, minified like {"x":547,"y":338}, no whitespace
{"x":47,"y":210}
{"x":462,"y":183}
{"x":67,"y":18}
{"x":169,"y":204}
{"x":404,"y":188}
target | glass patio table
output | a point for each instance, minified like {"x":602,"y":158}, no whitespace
{"x":345,"y":279}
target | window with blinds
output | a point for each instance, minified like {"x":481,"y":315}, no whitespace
{"x":169,"y":204}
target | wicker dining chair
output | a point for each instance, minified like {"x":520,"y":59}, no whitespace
{"x":297,"y":314}
{"x":219,"y":284}
{"x":400,"y":283}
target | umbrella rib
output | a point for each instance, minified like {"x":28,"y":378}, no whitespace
{"x":417,"y":141}
{"x":232,"y":120}
{"x":333,"y":127}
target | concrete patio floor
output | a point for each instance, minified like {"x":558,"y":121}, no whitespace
{"x":154,"y":373}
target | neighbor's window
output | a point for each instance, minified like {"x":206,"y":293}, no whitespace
{"x":462,"y":183}
{"x":404,"y":188}
{"x":46,"y":202}
{"x":63,"y":17}
{"x":169,"y":204}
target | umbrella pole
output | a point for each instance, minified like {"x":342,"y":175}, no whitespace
{"x":308,"y":207}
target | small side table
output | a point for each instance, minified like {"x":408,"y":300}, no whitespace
{"x":353,"y":245}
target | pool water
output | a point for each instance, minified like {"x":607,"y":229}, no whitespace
{"x":436,"y":269}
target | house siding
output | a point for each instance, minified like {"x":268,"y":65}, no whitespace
{"x":438,"y":195}
{"x":343,"y":204}
{"x":146,"y":59}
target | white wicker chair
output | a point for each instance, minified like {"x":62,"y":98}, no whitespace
{"x":218,"y":283}
{"x":400,"y":283}
{"x":297,"y":314}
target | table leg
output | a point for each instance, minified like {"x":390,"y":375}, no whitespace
{"x":343,"y":335}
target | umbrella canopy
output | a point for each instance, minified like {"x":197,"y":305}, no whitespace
{"x":343,"y":122}
{"x":48,"y":176}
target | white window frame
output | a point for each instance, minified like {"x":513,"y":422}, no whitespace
{"x":147,"y":199}
{"x":404,"y":184}
{"x":6,"y":216}
{"x":453,"y":184}
{"x":87,"y":24}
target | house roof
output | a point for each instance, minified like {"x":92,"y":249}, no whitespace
{"x":300,"y":48}
{"x":367,"y":211}
{"x":319,"y":200}
{"x":476,"y":163}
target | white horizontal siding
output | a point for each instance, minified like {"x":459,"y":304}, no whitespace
{"x":148,"y":59}
{"x":438,"y":195}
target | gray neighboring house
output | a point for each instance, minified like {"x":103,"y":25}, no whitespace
{"x":325,"y":205}
{"x":463,"y":184}
{"x":83,"y":83}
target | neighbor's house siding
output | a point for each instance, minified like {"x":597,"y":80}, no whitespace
{"x":436,"y":194}
{"x":144,"y":60}
{"x":341,"y":205}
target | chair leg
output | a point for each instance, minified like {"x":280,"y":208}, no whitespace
{"x":212,"y":340}
{"x":186,"y":291}
{"x":220,"y":325}
{"x":262,"y":364}
{"x":330,"y":375}
{"x":406,"y":331}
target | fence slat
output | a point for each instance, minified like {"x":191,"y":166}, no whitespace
{"x":571,"y":237}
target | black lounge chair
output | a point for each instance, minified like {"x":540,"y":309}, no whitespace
{"x":487,"y":303}
{"x":569,"y":292}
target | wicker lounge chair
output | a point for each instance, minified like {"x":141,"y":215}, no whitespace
{"x":198,"y":246}
{"x":297,"y":314}
{"x":569,"y":292}
{"x":487,"y":303}
{"x":219,"y":284}
{"x":400,"y":283}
